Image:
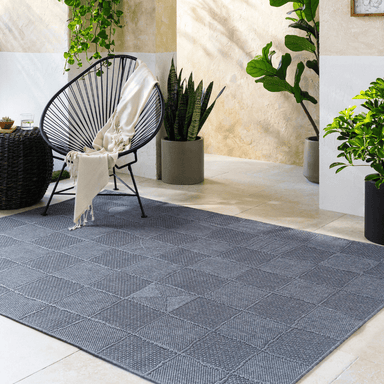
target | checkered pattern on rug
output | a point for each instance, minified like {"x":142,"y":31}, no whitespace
{"x":187,"y":296}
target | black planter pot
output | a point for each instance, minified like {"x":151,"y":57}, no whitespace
{"x":374,"y":213}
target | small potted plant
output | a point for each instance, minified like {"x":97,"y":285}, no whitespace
{"x":186,"y":110}
{"x":362,"y":137}
{"x":6,"y":123}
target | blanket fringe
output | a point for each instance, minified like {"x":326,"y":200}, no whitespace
{"x":83,"y":219}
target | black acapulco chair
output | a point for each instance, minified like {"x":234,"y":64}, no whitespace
{"x":76,"y":113}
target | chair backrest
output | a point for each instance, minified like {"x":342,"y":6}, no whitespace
{"x":75,"y":114}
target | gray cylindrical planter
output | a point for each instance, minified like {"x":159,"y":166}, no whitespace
{"x":182,"y":162}
{"x":311,"y":159}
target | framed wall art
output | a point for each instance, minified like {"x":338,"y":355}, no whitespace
{"x":367,"y":7}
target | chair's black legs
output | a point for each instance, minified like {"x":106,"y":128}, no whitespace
{"x":143,"y":215}
{"x":54,"y":190}
{"x":114,"y":179}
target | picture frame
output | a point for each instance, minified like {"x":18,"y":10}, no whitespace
{"x":364,"y":8}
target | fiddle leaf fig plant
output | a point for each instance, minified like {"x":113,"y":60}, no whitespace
{"x":186,"y":108}
{"x":362,"y":135}
{"x":274,"y":78}
{"x":92,"y":24}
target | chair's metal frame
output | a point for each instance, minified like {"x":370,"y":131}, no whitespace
{"x":76,"y":113}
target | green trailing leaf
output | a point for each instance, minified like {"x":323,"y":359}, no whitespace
{"x":298,"y":44}
{"x":91,"y":22}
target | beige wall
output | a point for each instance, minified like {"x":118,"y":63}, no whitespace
{"x":343,"y":35}
{"x":33,"y":26}
{"x":215,"y":41}
{"x":149,"y":26}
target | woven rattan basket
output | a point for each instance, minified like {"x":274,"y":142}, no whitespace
{"x":26,"y":167}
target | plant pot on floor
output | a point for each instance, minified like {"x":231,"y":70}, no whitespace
{"x":182,"y":162}
{"x":311,"y":159}
{"x":374,"y":213}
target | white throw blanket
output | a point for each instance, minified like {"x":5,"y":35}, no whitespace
{"x":92,"y":167}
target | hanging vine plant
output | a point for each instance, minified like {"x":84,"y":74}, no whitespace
{"x":92,"y":25}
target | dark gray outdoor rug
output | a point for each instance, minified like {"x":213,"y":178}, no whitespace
{"x":187,"y":296}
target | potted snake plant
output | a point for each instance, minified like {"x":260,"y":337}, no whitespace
{"x":186,"y":111}
{"x":274,"y":79}
{"x":362,"y":138}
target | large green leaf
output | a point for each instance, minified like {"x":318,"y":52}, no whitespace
{"x":314,"y":65}
{"x":310,"y":9}
{"x":296,"y":88}
{"x":298,"y":43}
{"x":303,"y":25}
{"x":259,"y":67}
{"x":279,"y":3}
{"x":266,"y":54}
{"x":275,"y":84}
{"x":285,"y":62}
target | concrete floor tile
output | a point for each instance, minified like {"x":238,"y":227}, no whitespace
{"x":329,"y":369}
{"x":290,"y":214}
{"x":24,"y":351}
{"x":368,"y":341}
{"x":362,"y":371}
{"x":347,"y":226}
{"x":82,"y":368}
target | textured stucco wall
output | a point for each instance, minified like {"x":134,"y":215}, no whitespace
{"x":215,"y":41}
{"x":33,"y":26}
{"x":352,"y":56}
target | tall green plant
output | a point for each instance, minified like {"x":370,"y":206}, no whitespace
{"x":92,"y":22}
{"x":274,"y":79}
{"x":186,"y":108}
